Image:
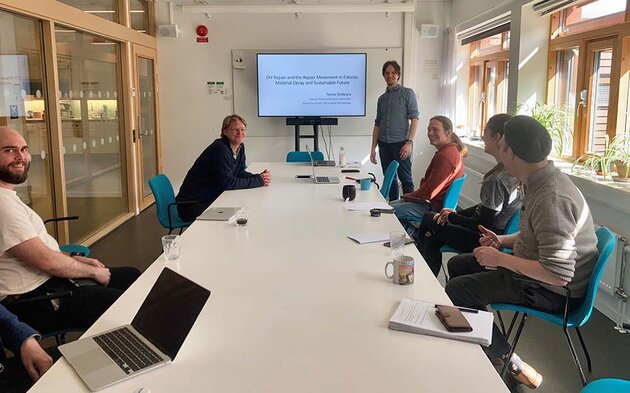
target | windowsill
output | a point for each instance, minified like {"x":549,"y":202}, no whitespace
{"x":608,"y":192}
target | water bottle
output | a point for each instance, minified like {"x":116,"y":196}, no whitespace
{"x":342,"y":157}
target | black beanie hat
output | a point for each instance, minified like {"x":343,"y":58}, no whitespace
{"x":528,"y":139}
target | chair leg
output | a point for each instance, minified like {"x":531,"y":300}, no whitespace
{"x":575,"y":358}
{"x":588,"y":357}
{"x":445,"y":273}
{"x":509,"y":331}
{"x":501,"y":322}
{"x":170,"y":230}
{"x":181,"y":230}
{"x":516,"y":337}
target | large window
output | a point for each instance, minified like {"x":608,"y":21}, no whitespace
{"x":139,"y":15}
{"x":588,"y":53}
{"x":487,"y":93}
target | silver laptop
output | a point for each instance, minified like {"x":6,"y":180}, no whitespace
{"x":218,"y":213}
{"x":153,"y":339}
{"x":321,"y":179}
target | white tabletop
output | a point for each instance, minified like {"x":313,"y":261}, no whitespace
{"x":295,"y":305}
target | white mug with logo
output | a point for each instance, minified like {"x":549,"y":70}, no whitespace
{"x":403,"y":269}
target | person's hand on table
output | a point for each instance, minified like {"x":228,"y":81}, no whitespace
{"x":405,"y":151}
{"x":35,"y":360}
{"x":266,"y":177}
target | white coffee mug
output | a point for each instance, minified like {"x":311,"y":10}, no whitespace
{"x":403,"y":269}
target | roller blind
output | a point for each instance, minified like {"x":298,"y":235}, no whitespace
{"x":545,"y":7}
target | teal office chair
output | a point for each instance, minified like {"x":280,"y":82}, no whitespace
{"x":77,"y":249}
{"x":166,"y":205}
{"x":607,"y":385}
{"x":388,"y":178}
{"x":450,"y":199}
{"x":302,"y":156}
{"x":573,"y":319}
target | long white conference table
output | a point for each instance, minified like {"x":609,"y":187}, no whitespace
{"x":295,"y":306}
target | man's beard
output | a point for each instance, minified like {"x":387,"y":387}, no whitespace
{"x":14,"y":178}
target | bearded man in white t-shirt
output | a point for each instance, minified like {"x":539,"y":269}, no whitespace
{"x":31,"y":264}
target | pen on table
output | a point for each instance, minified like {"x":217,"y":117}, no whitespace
{"x":350,"y":178}
{"x":463,"y":309}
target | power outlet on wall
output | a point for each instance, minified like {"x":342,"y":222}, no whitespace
{"x":237,"y":60}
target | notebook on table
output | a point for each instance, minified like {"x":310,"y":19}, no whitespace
{"x":153,"y":339}
{"x":416,"y":316}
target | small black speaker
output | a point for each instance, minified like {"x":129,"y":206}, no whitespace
{"x":349,"y":192}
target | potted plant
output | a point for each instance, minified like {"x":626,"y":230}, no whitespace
{"x":616,"y":152}
{"x":558,"y":120}
{"x":619,"y":152}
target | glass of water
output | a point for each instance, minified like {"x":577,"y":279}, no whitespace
{"x":397,"y":243}
{"x":172,"y":246}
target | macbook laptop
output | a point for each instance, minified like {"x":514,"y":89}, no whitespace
{"x":153,"y":339}
{"x":324,"y":163}
{"x":218,"y":213}
{"x":321,"y":179}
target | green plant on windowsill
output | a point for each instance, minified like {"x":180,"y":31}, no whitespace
{"x":558,"y":120}
{"x":616,"y":152}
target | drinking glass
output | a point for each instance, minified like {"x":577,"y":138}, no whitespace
{"x":397,"y":243}
{"x":172,"y":245}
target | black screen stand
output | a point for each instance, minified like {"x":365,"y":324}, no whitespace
{"x":308,"y":121}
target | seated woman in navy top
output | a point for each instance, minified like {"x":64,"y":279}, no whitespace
{"x":220,"y":167}
{"x":500,"y":198}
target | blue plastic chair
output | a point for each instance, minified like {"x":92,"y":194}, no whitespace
{"x":450,"y":199}
{"x":574,"y":319}
{"x":302,"y":156}
{"x":388,"y":179}
{"x":70,"y":248}
{"x":166,"y":205}
{"x":607,"y":385}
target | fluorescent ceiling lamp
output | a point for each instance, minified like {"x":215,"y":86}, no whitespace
{"x":101,"y":12}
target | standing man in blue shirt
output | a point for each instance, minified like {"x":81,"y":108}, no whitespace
{"x":395,"y":128}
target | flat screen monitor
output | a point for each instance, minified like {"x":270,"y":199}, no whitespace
{"x":311,"y":84}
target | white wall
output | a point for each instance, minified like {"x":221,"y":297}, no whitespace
{"x":191,"y":118}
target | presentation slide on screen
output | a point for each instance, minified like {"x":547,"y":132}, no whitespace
{"x":311,"y":84}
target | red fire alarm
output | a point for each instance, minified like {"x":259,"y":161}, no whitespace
{"x":202,"y":31}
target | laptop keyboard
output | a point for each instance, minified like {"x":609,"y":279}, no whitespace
{"x":129,"y":353}
{"x":323,"y":179}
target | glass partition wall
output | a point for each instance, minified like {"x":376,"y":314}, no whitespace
{"x":89,"y":82}
{"x":23,"y":105}
{"x":66,"y":85}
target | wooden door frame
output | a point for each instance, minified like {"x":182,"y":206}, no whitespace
{"x":148,"y":53}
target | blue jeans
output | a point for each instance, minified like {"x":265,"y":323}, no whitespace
{"x":410,"y":213}
{"x":389,"y":152}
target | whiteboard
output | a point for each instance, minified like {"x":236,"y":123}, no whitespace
{"x":245,"y":95}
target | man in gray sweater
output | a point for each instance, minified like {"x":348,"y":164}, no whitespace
{"x":556,"y":244}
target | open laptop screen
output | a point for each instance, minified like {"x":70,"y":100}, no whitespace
{"x":169,"y":311}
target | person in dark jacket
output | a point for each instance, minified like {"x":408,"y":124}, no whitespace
{"x":220,"y":167}
{"x":500,"y":198}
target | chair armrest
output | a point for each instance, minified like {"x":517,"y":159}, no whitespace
{"x":50,"y":296}
{"x":68,"y":218}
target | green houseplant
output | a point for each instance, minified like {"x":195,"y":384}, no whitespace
{"x":558,"y":120}
{"x":616,"y":152}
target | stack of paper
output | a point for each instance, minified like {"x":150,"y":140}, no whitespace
{"x":416,"y":316}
